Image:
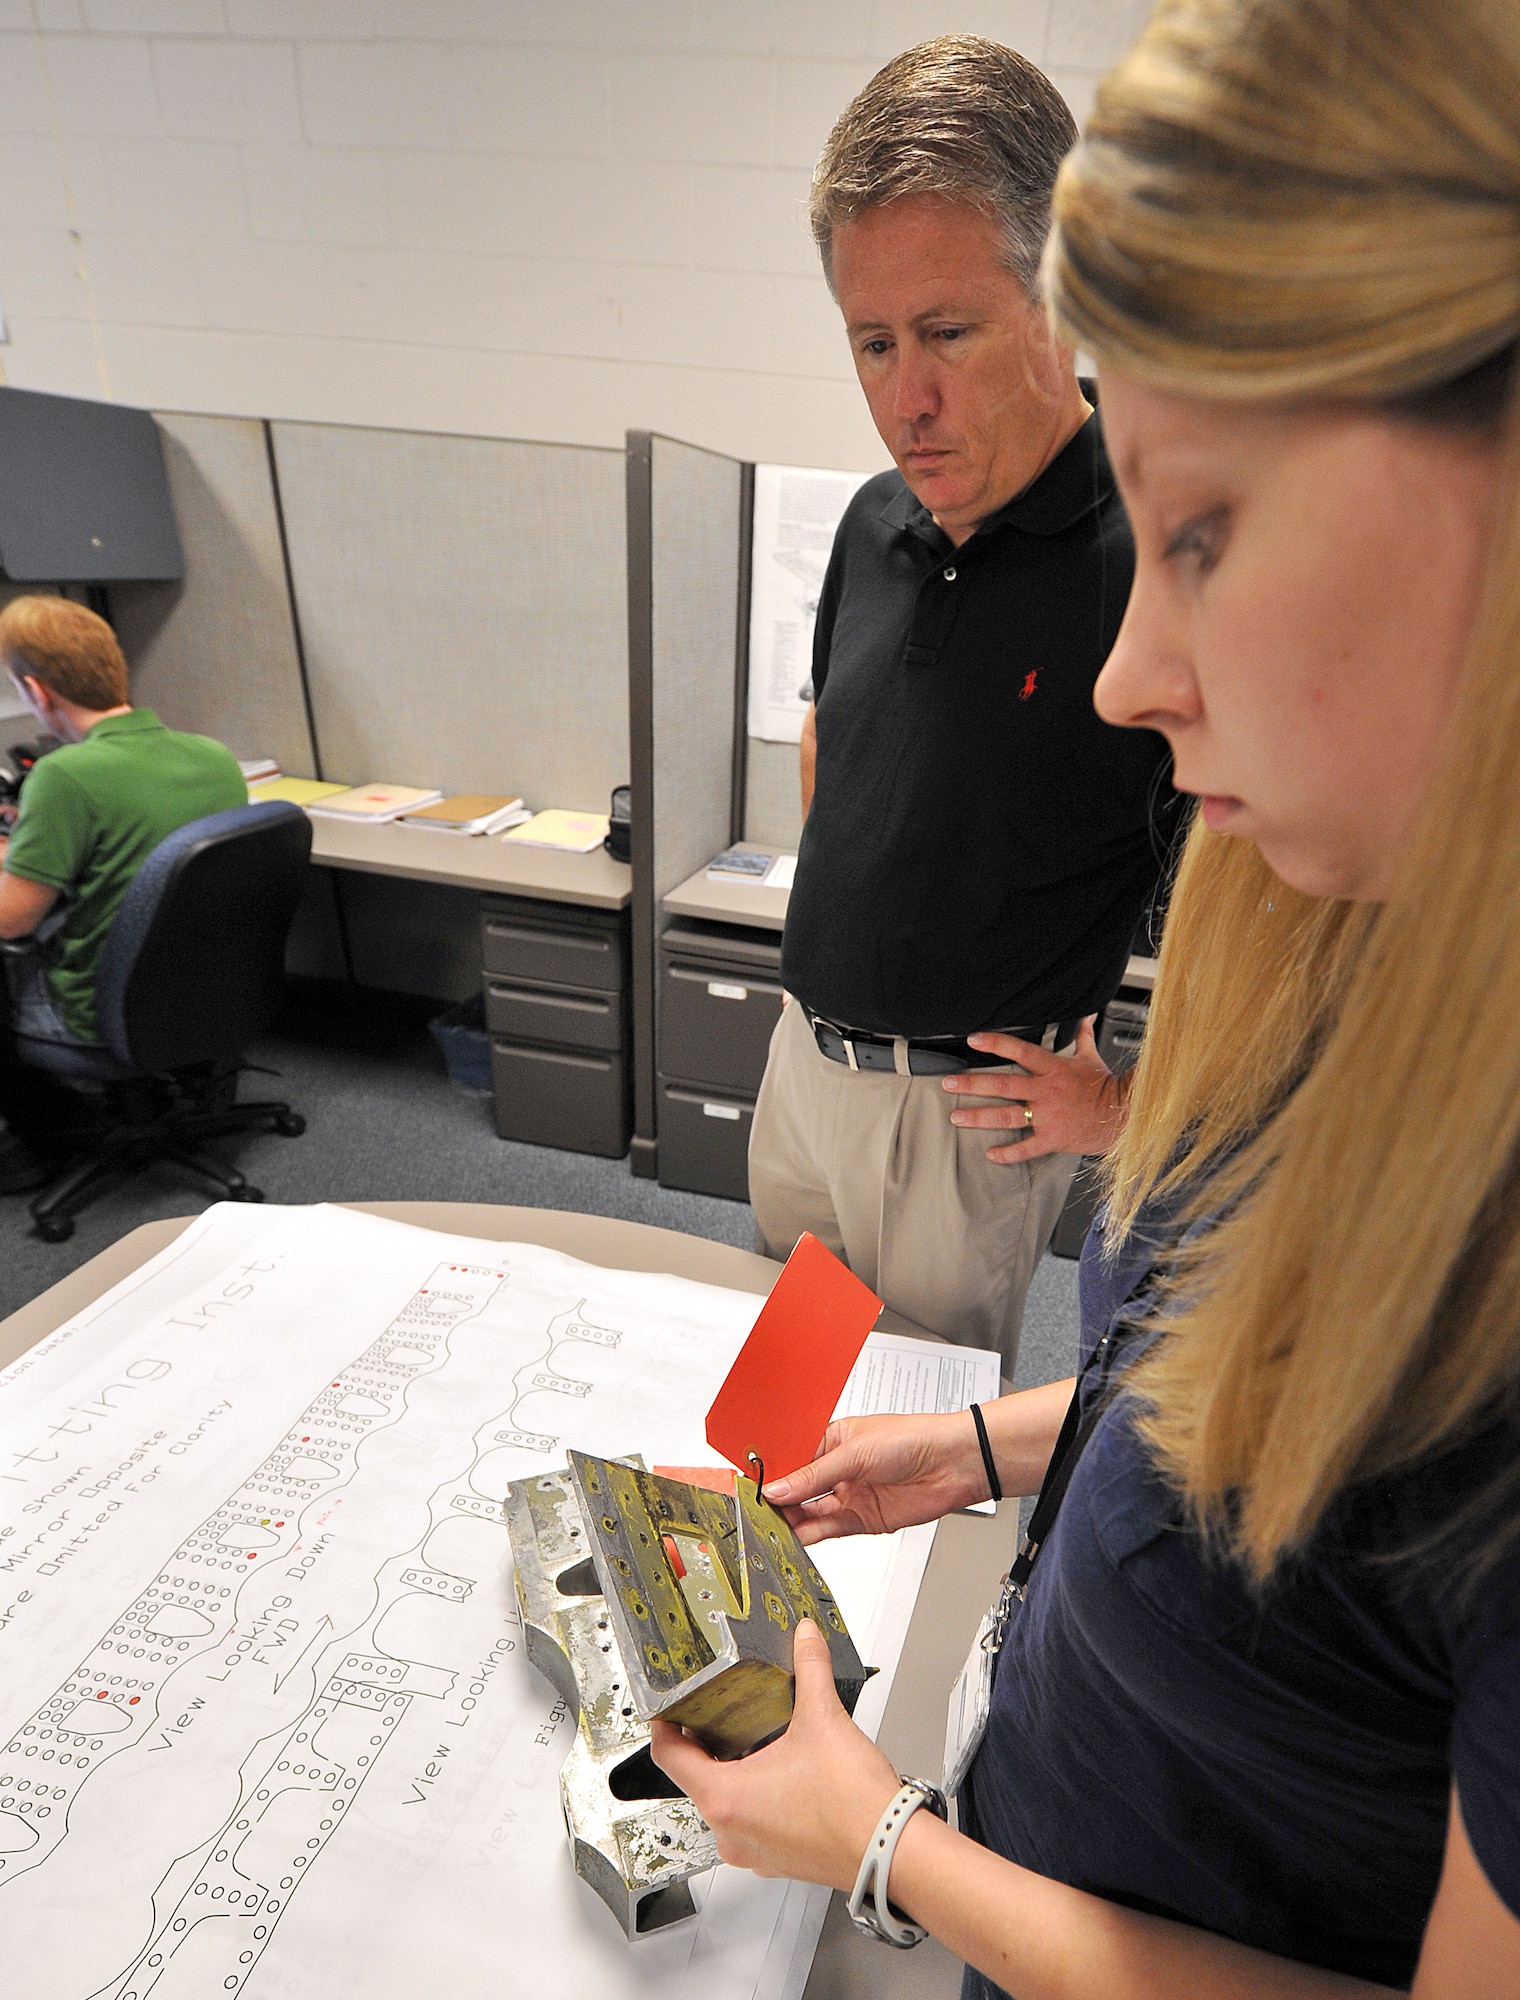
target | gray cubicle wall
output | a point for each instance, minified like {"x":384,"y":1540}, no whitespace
{"x":687,"y":575}
{"x":772,"y":794}
{"x":461,"y":604}
{"x":217,"y":653}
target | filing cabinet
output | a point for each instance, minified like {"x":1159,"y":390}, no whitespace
{"x":555,"y":980}
{"x":719,"y":999}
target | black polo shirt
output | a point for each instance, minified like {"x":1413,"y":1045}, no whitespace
{"x":980,"y":846}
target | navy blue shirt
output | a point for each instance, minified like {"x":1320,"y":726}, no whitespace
{"x":1276,"y":1767}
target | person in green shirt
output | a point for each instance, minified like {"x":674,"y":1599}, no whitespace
{"x":90,"y":814}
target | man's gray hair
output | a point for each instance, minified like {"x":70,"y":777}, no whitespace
{"x":958,"y":117}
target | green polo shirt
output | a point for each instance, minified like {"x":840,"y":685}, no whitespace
{"x":93,"y":812}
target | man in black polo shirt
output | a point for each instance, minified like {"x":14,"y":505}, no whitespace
{"x":978,"y":846}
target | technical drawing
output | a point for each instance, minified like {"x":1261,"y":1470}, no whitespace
{"x":281,"y":1699}
{"x":543,"y":1376}
{"x":193,"y":1603}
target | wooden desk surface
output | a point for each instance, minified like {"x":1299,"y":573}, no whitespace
{"x":484,"y":862}
{"x":970,"y":1554}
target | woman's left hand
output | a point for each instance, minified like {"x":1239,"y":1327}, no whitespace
{"x":806,"y":1805}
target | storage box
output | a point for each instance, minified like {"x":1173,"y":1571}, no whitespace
{"x":463,"y":1037}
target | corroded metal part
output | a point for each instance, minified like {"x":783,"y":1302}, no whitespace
{"x":633,"y":1838}
{"x":703,"y":1592}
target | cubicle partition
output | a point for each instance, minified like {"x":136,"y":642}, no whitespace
{"x":217,"y":652}
{"x":772,"y":794}
{"x":687,"y":600}
{"x":461,"y":603}
{"x":460,"y":606}
{"x":368,"y":604}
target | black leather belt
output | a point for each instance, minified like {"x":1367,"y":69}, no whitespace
{"x":937,"y":1055}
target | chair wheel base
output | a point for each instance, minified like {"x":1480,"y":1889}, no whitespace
{"x":54,"y":1228}
{"x":290,"y":1125}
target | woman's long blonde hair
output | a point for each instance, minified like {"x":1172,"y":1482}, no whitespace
{"x":1284,"y":199}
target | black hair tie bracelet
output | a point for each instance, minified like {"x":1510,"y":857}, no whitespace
{"x":994,"y":1484}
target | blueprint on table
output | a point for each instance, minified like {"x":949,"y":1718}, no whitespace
{"x":266,"y":1723}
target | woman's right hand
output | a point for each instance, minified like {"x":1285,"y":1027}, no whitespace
{"x":876,"y":1474}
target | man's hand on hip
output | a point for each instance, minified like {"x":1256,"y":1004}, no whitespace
{"x":1070,"y":1103}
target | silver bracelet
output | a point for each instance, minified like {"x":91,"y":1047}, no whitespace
{"x":877,"y":1918}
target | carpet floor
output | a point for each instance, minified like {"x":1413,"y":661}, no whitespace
{"x":383,"y":1123}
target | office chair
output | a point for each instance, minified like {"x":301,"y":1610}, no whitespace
{"x":191,"y":970}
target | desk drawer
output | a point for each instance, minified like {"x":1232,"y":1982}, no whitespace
{"x":704,"y":1141}
{"x":561,"y":1097}
{"x":715,"y":1024}
{"x":579,"y":955}
{"x":546,"y":1014}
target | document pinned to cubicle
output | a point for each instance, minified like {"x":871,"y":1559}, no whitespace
{"x":797,"y":510}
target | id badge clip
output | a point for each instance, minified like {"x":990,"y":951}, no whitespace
{"x":971,"y":1697}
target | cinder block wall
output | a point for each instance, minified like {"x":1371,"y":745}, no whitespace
{"x":530,"y":218}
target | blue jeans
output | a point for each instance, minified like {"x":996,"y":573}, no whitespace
{"x":35,"y":1014}
{"x":36,"y":1106}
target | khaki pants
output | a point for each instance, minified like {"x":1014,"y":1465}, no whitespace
{"x":870,"y":1163}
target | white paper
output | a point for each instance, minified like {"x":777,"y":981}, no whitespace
{"x":266,"y":1724}
{"x":782,"y":872}
{"x":917,"y":1377}
{"x":797,"y":510}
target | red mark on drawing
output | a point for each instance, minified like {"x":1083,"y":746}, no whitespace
{"x":133,"y":1700}
{"x":1028,"y":688}
{"x":101,"y":1696}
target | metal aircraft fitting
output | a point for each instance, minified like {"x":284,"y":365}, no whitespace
{"x":643,"y":1596}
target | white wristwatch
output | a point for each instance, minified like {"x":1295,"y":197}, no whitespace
{"x":870,"y":1910}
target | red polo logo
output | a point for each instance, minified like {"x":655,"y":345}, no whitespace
{"x":1028,"y":688}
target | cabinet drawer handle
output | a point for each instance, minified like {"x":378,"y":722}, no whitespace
{"x":730,"y":1111}
{"x":720,"y":989}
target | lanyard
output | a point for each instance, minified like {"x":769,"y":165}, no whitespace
{"x":1071,"y":1442}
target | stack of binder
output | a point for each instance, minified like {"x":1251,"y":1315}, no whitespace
{"x":468,"y":813}
{"x":371,"y":805}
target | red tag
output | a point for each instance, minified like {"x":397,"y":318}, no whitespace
{"x":788,"y":1376}
{"x":712,"y":1478}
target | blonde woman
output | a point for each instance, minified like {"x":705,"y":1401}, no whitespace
{"x":1254,"y":1727}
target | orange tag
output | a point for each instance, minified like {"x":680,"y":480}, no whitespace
{"x":788,"y":1376}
